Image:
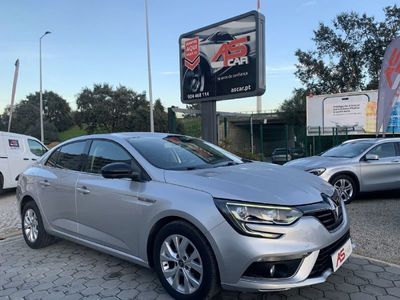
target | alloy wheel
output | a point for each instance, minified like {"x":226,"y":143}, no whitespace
{"x":345,"y":189}
{"x":181,"y":264}
{"x":31,"y":225}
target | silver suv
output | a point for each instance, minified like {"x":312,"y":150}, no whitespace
{"x":362,"y":165}
{"x":199,"y":215}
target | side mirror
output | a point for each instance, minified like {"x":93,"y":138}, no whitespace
{"x":119,"y":170}
{"x":371,"y":157}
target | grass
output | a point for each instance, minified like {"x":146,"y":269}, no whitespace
{"x":72,"y":132}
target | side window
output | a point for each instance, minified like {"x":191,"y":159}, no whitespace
{"x":70,"y":156}
{"x":52,"y":160}
{"x":384,"y":150}
{"x":36,"y":147}
{"x":103,"y":153}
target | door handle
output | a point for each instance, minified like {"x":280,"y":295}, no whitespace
{"x":34,"y":159}
{"x":83,"y":190}
{"x":25,"y":158}
{"x":396,"y":161}
{"x":44,"y":183}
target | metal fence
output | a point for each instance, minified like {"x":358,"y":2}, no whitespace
{"x":266,"y":137}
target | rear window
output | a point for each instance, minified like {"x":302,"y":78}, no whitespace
{"x":70,"y":156}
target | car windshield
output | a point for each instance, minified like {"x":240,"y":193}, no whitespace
{"x":176,"y":152}
{"x":348,"y":150}
{"x":280,"y":151}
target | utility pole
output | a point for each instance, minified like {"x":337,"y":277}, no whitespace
{"x":13,"y":93}
{"x":41,"y":92}
{"x":149,"y":69}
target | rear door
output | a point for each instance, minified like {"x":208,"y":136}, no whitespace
{"x":56,"y":187}
{"x":384,"y":173}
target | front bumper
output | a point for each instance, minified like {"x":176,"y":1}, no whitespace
{"x":303,"y":240}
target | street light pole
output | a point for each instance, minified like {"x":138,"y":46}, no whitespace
{"x":149,"y":69}
{"x":40,"y":92}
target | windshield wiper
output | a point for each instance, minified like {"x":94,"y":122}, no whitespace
{"x":246,"y":160}
{"x":229,"y":163}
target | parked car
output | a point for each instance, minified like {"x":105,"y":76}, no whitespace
{"x":281,"y":155}
{"x":199,"y":215}
{"x":363,"y":165}
{"x":297,"y":153}
{"x":17,"y":152}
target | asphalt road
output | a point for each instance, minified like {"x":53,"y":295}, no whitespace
{"x":375,"y":225}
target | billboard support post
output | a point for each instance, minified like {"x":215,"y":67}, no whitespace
{"x":209,"y":121}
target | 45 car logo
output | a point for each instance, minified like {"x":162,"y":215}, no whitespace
{"x":233,"y":53}
{"x":341,"y":257}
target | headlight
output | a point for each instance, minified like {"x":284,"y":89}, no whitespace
{"x":245,"y":217}
{"x":317,"y":171}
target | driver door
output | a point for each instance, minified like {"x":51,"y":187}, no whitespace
{"x":384,"y":173}
{"x":108,"y":210}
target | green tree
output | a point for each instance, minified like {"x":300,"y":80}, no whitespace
{"x":293,"y":110}
{"x":26,"y":116}
{"x":348,"y":54}
{"x":105,"y":109}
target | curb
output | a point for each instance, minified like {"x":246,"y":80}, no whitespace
{"x":375,"y":260}
{"x":10,"y":235}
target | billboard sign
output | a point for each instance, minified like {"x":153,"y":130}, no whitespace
{"x":354,"y":113}
{"x":223,"y":61}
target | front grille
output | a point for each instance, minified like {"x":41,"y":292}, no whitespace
{"x":328,"y":218}
{"x":324,"y":261}
{"x":324,"y":213}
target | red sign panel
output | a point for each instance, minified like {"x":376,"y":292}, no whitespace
{"x":192,"y":52}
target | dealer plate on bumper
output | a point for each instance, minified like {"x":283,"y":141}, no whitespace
{"x":341,"y":255}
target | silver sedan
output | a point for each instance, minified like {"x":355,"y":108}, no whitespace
{"x":362,"y":165}
{"x":203,"y":218}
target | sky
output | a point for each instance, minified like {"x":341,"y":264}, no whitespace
{"x":99,"y":41}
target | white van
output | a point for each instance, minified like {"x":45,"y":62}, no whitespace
{"x":17,"y":152}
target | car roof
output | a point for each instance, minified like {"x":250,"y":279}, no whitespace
{"x":119,"y":135}
{"x":372,"y":140}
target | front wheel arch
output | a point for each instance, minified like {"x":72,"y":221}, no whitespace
{"x":352,"y":176}
{"x":25,"y":200}
{"x":161,"y":223}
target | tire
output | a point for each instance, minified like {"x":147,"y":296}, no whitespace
{"x":33,"y":230}
{"x":346,"y":187}
{"x":202,"y":268}
{"x":1,"y":184}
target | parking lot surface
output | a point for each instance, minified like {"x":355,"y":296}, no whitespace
{"x":68,"y":271}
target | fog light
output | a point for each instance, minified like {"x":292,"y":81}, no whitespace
{"x":275,"y":269}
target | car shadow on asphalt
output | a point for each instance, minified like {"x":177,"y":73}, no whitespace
{"x":394,"y":194}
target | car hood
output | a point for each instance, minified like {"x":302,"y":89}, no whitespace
{"x":254,"y":182}
{"x":314,"y":162}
